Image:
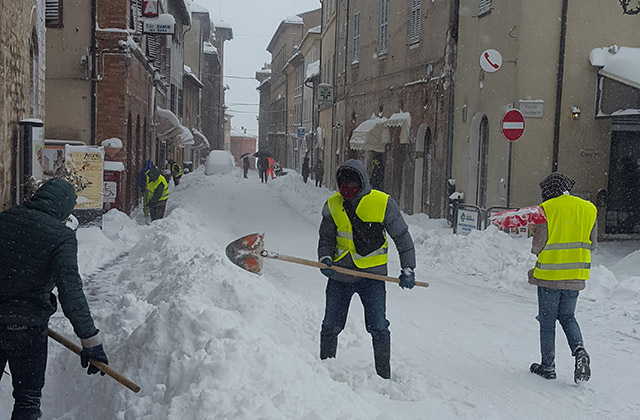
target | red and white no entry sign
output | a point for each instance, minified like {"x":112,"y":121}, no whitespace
{"x":513,"y":125}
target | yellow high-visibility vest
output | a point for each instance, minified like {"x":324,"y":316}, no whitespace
{"x":371,"y":209}
{"x":161,"y":182}
{"x":567,"y":254}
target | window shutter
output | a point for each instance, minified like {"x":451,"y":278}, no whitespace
{"x":485,"y":7}
{"x":414,"y":35}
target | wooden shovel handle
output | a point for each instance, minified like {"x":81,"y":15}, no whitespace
{"x":102,"y":366}
{"x":317,"y":264}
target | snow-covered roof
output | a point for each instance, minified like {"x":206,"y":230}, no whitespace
{"x":208,"y":48}
{"x":618,"y":63}
{"x":196,"y":8}
{"x":189,"y":73}
{"x":316,"y":30}
{"x":294,"y":19}
{"x":313,"y":69}
{"x":219,"y":23}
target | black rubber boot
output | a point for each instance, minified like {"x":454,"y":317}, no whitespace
{"x":582,"y":371}
{"x":545,"y":372}
{"x":328,"y":346}
{"x":382,"y":357}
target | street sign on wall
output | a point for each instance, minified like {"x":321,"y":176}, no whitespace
{"x":490,"y":61}
{"x":512,"y":125}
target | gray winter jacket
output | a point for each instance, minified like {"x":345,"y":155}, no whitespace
{"x":393,"y":224}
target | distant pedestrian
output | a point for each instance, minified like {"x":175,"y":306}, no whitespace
{"x":39,"y":253}
{"x":377,"y":172}
{"x":305,"y":168}
{"x":176,"y":171}
{"x":157,"y":193}
{"x":263,"y":166}
{"x":563,"y":245}
{"x":142,"y":184}
{"x":318,"y":171}
{"x":271,"y":161}
{"x":245,"y":166}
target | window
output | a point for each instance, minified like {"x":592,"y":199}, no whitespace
{"x":53,"y":13}
{"x":384,"y":25}
{"x":485,"y":7}
{"x":414,"y":29}
{"x":356,"y":37}
{"x":135,"y":19}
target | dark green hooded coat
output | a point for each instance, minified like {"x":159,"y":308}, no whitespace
{"x":37,"y":253}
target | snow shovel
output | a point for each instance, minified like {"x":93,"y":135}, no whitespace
{"x":103,"y":367}
{"x":248,"y":253}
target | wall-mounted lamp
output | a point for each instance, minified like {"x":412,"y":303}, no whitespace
{"x":575,"y":112}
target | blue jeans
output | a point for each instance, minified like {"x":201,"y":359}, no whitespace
{"x":373,"y":296}
{"x":26,"y":351}
{"x":554,"y":304}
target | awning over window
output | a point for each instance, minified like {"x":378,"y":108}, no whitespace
{"x":402,"y":120}
{"x":618,"y":63}
{"x":370,"y":135}
{"x":618,"y":80}
{"x":201,"y":140}
{"x":169,"y":128}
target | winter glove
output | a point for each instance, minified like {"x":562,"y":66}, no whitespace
{"x":407,"y":278}
{"x":328,"y":261}
{"x":95,"y":353}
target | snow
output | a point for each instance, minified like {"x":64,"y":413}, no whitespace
{"x":207,"y":340}
{"x":618,"y":63}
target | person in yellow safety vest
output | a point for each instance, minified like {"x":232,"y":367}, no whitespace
{"x":176,"y":171}
{"x":352,"y":235}
{"x":563,"y":245}
{"x":157,"y":193}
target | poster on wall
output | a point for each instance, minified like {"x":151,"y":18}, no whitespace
{"x":85,"y":167}
{"x":53,"y":165}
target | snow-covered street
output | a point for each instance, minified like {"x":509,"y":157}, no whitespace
{"x":207,"y":340}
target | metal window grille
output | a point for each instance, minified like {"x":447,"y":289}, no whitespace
{"x":414,"y":31}
{"x":384,"y":25}
{"x":485,"y":7}
{"x":53,"y":13}
{"x":356,"y":36}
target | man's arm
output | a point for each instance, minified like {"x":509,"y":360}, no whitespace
{"x":540,"y":236}
{"x":398,"y":229}
{"x":326,"y":234}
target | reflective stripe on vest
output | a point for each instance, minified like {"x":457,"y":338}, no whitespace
{"x":152,"y":185}
{"x":567,"y":253}
{"x":371,"y":209}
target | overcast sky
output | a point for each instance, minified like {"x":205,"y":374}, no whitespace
{"x":253,"y":22}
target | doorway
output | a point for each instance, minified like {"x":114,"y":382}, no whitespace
{"x":623,"y":199}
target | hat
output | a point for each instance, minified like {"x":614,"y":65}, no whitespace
{"x":348,"y":174}
{"x":555,"y":184}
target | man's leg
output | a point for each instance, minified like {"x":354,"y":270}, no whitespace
{"x":338,"y":297}
{"x":373,"y":296}
{"x":28,"y":362}
{"x":548,"y":302}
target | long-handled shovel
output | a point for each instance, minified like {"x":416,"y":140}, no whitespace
{"x":103,"y":367}
{"x":248,"y":253}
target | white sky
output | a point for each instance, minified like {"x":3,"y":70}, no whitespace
{"x":253,"y":23}
{"x":207,"y":340}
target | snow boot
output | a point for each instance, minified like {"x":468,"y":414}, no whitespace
{"x":582,"y":372}
{"x":328,"y":346}
{"x":382,"y":357}
{"x":545,"y":372}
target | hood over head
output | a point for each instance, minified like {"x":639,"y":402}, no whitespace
{"x":153,"y":174}
{"x":55,"y":197}
{"x":351,"y":168}
{"x":148,"y":165}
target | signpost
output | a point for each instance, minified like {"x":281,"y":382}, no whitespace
{"x":512,"y":125}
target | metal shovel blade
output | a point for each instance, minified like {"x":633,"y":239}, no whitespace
{"x":246,"y":252}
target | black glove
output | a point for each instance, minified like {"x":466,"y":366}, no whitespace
{"x":325,"y":271}
{"x":95,"y":353}
{"x":407,"y":278}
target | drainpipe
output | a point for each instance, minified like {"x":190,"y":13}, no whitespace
{"x":453,"y":43}
{"x":93,"y":61}
{"x":561,"y":54}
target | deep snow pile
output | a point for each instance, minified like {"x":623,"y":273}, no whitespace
{"x":207,"y":340}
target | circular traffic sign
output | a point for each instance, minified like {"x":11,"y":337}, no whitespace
{"x":513,"y":125}
{"x":490,"y":60}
